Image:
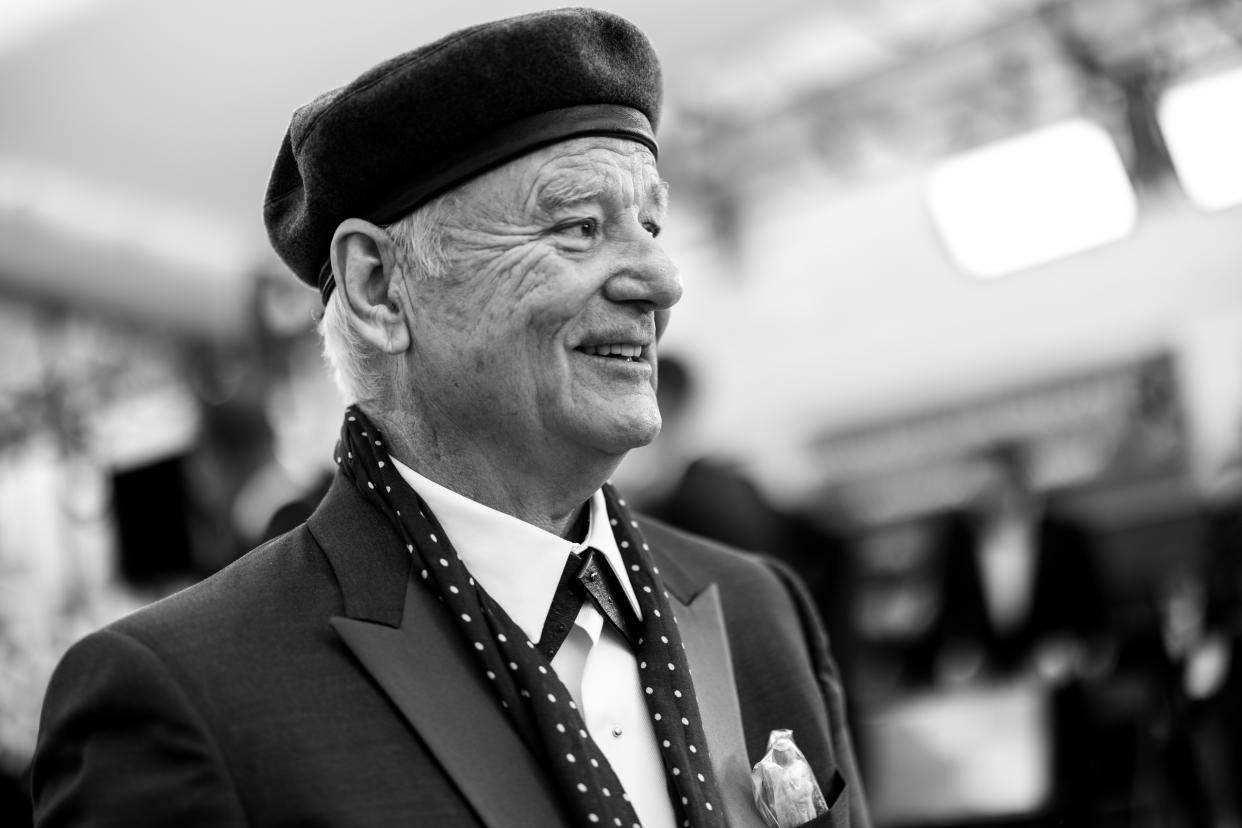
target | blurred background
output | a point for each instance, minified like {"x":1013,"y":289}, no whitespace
{"x":961,"y":342}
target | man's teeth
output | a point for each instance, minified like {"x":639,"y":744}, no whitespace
{"x":614,"y":349}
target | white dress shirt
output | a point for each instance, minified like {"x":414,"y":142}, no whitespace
{"x":520,"y":566}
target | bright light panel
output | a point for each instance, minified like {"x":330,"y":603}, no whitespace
{"x":1028,"y":200}
{"x":1202,"y":125}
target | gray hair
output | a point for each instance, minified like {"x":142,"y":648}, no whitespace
{"x":361,"y":373}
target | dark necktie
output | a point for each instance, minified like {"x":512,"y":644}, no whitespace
{"x":588,"y":577}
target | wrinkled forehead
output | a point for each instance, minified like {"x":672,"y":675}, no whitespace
{"x":586,"y":169}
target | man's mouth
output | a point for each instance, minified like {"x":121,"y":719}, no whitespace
{"x":614,"y":350}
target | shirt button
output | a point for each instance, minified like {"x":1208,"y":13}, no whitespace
{"x":616,"y":732}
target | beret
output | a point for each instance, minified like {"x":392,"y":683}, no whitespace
{"x":428,"y":120}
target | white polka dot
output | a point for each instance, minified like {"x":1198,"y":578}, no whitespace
{"x":664,"y":638}
{"x":676,"y":771}
{"x":709,"y":805}
{"x":666,"y":743}
{"x":677,"y":693}
{"x":543,"y":669}
{"x":572,"y":706}
{"x":569,"y":757}
{"x":657,"y":717}
{"x":370,"y":484}
{"x":693,"y":749}
{"x":501,"y":638}
{"x":512,"y":665}
{"x":613,"y":521}
{"x":685,"y":801}
{"x":525,"y":694}
{"x":504,"y":704}
{"x":605,"y":792}
{"x":378,"y":443}
{"x":582,"y":733}
{"x":465,"y":617}
{"x":642,"y":665}
{"x":634,"y":523}
{"x":560,"y":727}
{"x":552,"y":698}
{"x":478,"y":645}
{"x":381,"y":464}
{"x":443,"y":562}
{"x":593,"y":817}
{"x":353,"y":419}
{"x":454,"y":590}
{"x":671,"y":666}
{"x":634,"y":567}
{"x":654,"y":569}
{"x":685,"y":721}
{"x":657,"y":613}
{"x":594,"y":763}
{"x":649,"y":691}
{"x":434,"y":539}
{"x":582,"y":787}
{"x":425,"y":574}
{"x":647,"y":589}
{"x":622,"y":502}
{"x":490,"y":674}
{"x":701,"y":779}
{"x":625,"y":544}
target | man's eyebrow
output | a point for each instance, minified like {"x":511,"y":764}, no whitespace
{"x":565,"y":191}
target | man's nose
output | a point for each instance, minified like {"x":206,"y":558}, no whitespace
{"x":645,"y":274}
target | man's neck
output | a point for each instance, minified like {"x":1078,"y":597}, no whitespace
{"x":552,"y":496}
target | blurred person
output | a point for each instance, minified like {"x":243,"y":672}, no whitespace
{"x":1021,"y":591}
{"x":472,"y":628}
{"x":1021,"y":599}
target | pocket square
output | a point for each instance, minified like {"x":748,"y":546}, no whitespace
{"x":786,"y":791}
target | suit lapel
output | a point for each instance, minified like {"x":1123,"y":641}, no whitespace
{"x":402,"y":637}
{"x":701,"y":624}
{"x":700,"y":621}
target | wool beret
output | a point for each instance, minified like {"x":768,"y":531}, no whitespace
{"x":426,"y":121}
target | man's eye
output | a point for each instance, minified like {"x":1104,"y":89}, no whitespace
{"x":582,"y":228}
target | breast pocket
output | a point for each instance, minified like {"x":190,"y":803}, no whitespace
{"x":838,"y":799}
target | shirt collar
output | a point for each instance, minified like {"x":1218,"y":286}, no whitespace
{"x":516,"y":562}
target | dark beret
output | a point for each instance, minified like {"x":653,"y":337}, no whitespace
{"x":426,"y":121}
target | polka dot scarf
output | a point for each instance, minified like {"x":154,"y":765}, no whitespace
{"x":540,"y":707}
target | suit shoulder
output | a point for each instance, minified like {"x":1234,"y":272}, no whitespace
{"x":286,"y":577}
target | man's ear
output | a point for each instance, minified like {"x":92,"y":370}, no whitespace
{"x":365,"y":264}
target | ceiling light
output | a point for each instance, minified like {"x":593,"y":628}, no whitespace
{"x":1202,"y":125}
{"x":1025,"y":201}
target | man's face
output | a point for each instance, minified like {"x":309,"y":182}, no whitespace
{"x":540,"y":340}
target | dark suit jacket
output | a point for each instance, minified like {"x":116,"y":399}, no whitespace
{"x":1067,"y":595}
{"x":313,"y":683}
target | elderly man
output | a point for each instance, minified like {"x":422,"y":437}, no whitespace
{"x":472,"y":629}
